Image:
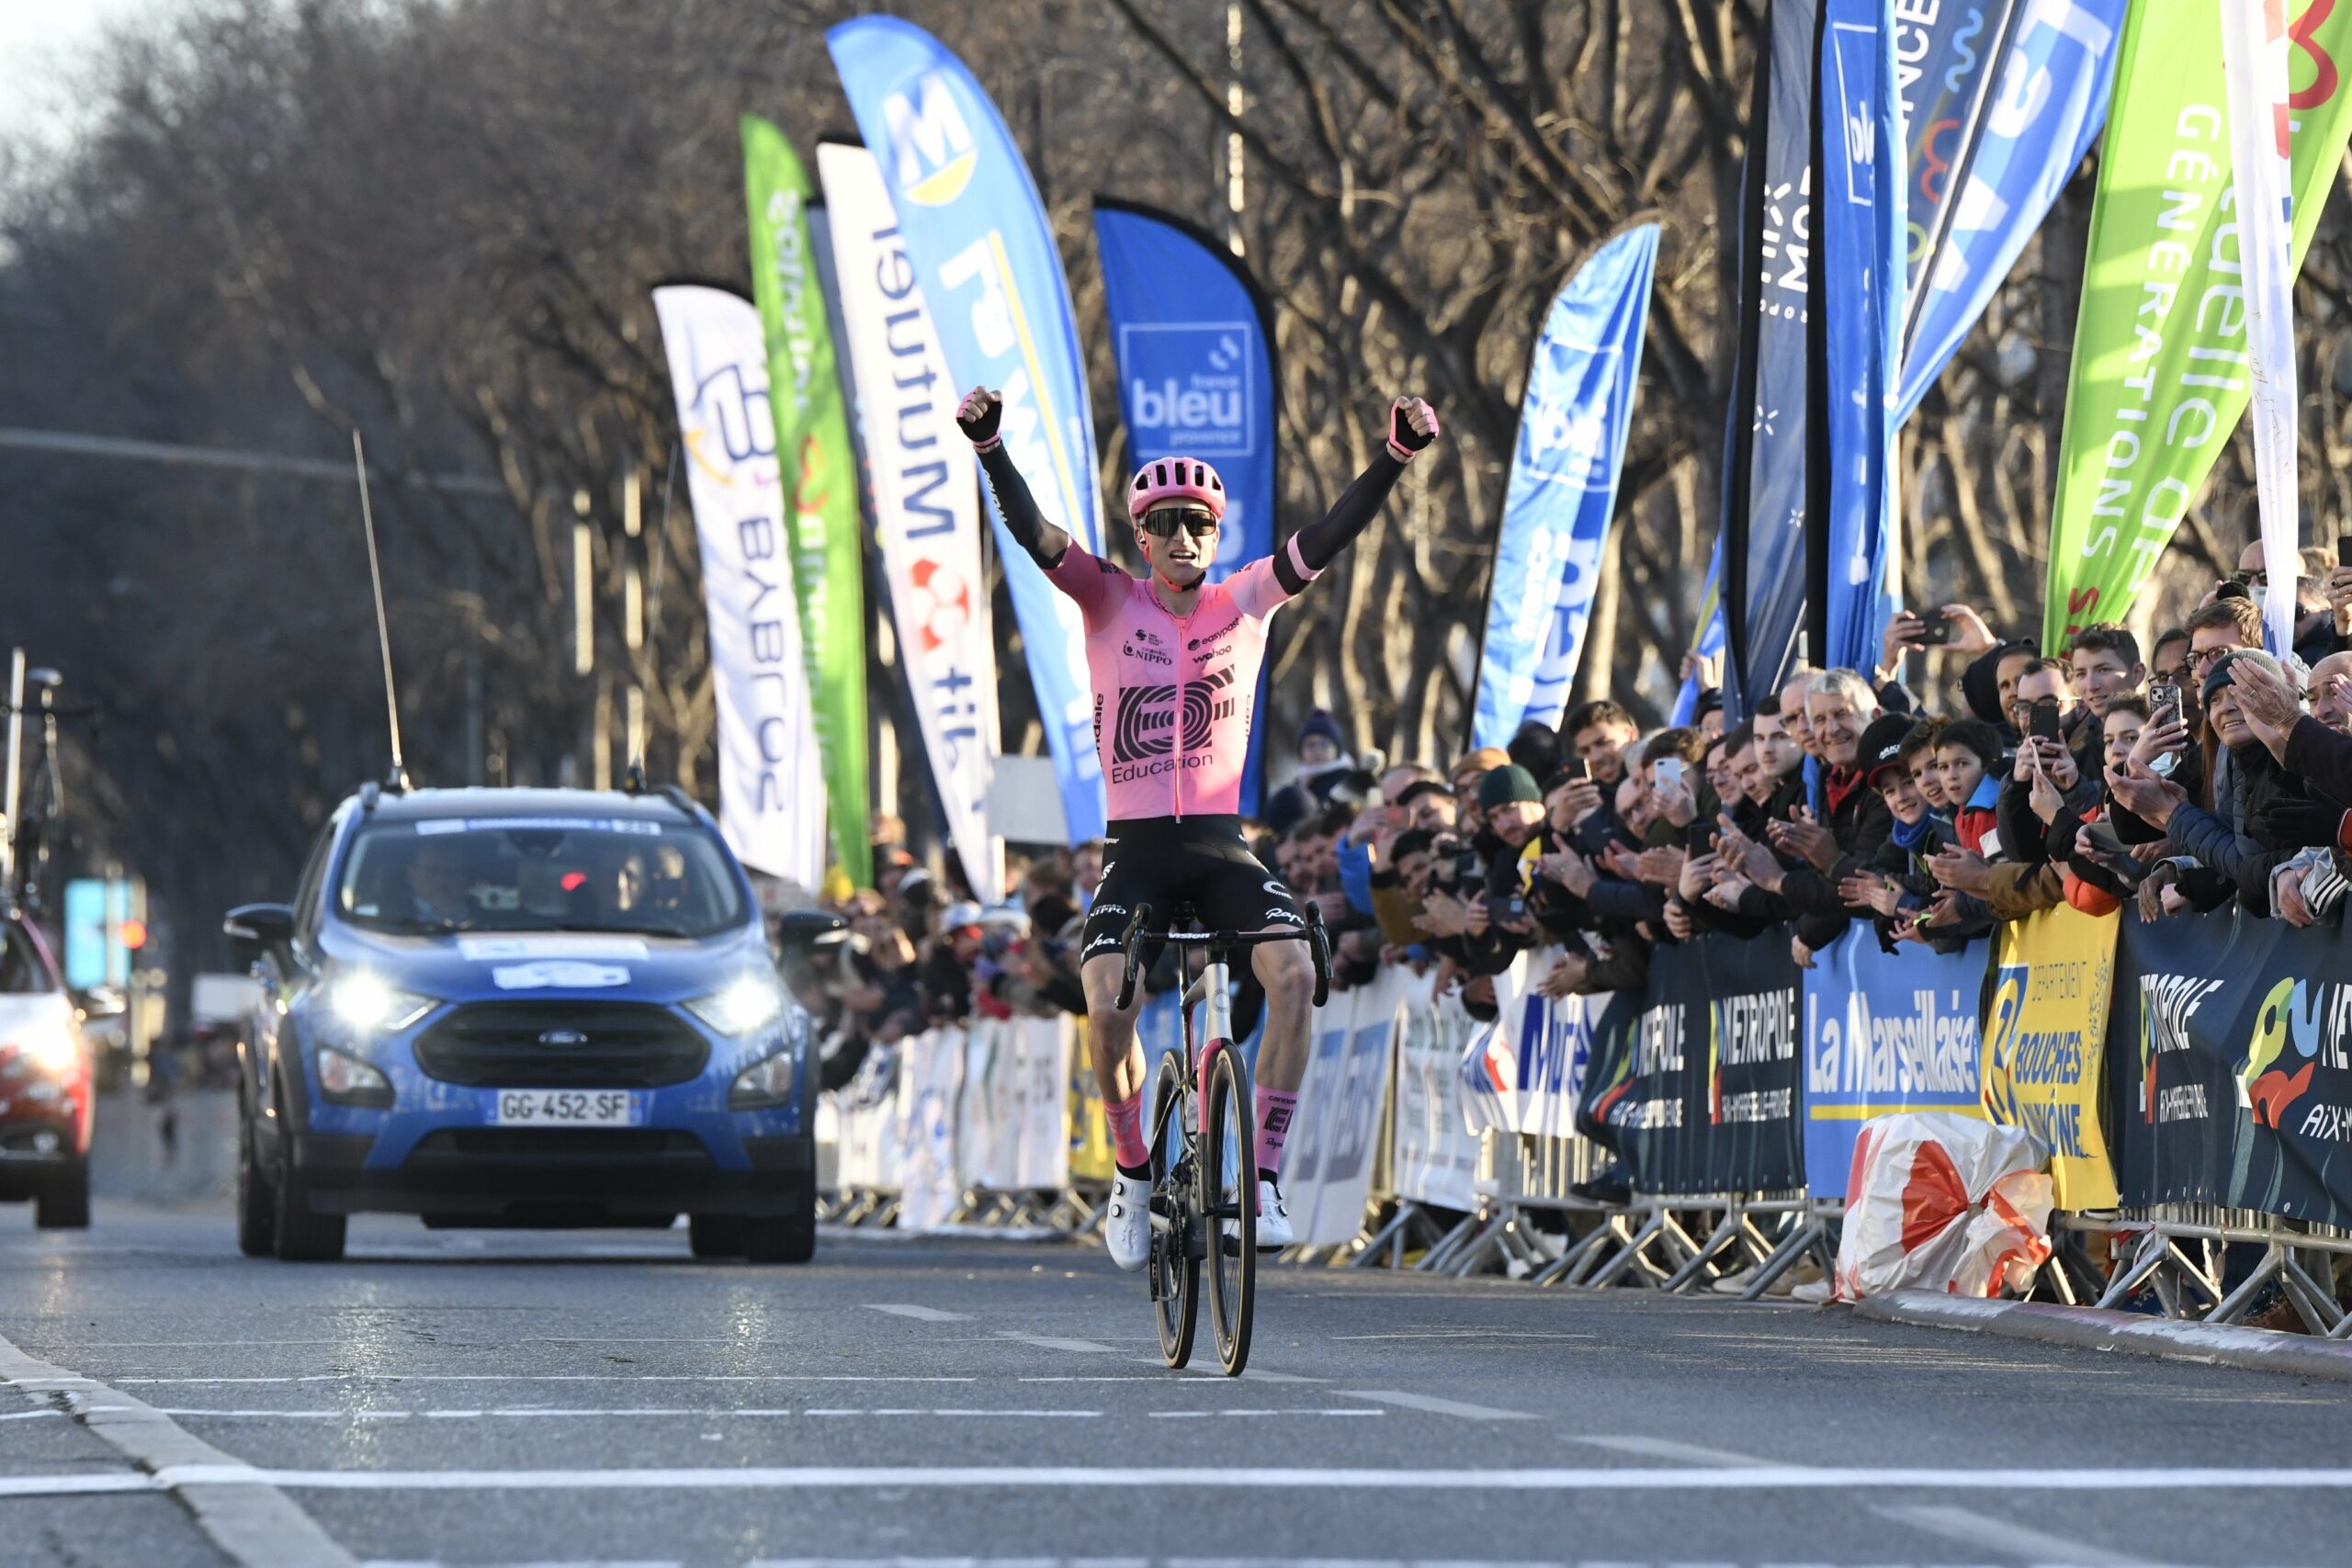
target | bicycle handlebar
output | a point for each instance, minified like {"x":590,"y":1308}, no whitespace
{"x":1319,"y":947}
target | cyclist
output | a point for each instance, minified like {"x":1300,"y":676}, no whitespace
{"x":1173,"y":659}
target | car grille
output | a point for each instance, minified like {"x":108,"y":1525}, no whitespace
{"x":500,"y":1045}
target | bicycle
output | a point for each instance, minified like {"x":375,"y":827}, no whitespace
{"x":1204,"y":1145}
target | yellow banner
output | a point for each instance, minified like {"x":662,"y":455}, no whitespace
{"x":2045,"y":1036}
{"x":1089,"y":1141}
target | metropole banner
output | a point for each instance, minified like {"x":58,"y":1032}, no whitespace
{"x":1763,"y":581}
{"x":1193,"y":341}
{"x":2232,"y":1045}
{"x":2255,"y":54}
{"x":1563,"y":471}
{"x":820,"y":477}
{"x":2045,"y":1039}
{"x":1860,"y":217}
{"x":2163,"y":363}
{"x":1885,"y":1032}
{"x":926,"y":505}
{"x":984,"y":257}
{"x":2046,"y":103}
{"x":1694,"y":1079}
{"x":1432,"y":1153}
{"x":770,"y":797}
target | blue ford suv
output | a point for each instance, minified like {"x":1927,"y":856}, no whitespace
{"x":522,"y":1008}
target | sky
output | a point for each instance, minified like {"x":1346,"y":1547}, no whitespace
{"x":45,"y":46}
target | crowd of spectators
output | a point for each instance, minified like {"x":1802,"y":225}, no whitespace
{"x":2181,"y":776}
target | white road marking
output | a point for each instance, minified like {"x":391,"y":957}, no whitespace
{"x":920,"y":1314}
{"x":1972,"y":1528}
{"x":1435,"y":1405}
{"x":1083,"y":1415}
{"x":814,"y":1478}
{"x":29,"y":1415}
{"x":1667,"y":1447}
{"x":1052,"y":1342}
{"x":1249,"y":1374}
{"x":1213,"y":1415}
{"x":540,"y":1377}
{"x":538,"y":1412}
{"x":254,"y":1524}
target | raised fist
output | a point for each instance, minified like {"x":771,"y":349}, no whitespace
{"x":977,"y":416}
{"x":1412,"y":425}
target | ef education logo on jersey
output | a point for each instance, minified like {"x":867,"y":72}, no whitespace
{"x":1143,"y":740}
{"x":934,"y":156}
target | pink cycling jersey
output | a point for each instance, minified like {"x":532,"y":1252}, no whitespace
{"x":1173,"y":696}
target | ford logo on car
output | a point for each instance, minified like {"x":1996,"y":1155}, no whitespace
{"x":562,"y":1037}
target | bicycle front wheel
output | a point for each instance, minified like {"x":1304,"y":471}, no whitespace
{"x":1175,"y":1267}
{"x":1228,"y":1163}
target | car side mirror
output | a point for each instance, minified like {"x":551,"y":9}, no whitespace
{"x":804,"y":929}
{"x":255,"y":930}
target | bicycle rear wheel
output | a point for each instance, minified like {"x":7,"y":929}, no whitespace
{"x":1175,"y":1271}
{"x":1228,"y":1162}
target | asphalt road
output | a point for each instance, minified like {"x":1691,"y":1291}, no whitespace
{"x":601,"y":1397}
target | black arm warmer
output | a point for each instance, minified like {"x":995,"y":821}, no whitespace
{"x":1045,"y":543}
{"x":1319,"y":544}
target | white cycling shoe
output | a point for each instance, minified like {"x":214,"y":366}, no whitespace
{"x":1126,"y":1225}
{"x":1273,"y":1220}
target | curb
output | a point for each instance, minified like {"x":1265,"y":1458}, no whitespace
{"x":2092,"y":1328}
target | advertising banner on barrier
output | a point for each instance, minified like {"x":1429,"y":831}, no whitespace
{"x":932,"y":1070}
{"x":2162,"y":367}
{"x":2233,"y":1065}
{"x":1695,"y":1078}
{"x":985,"y":257}
{"x":1525,"y":1072}
{"x":1085,"y":1138}
{"x":771,"y":795}
{"x":2045,"y":1036}
{"x":2047,"y":104}
{"x":1328,"y":1168}
{"x":1434,"y":1155}
{"x":1885,"y":1032}
{"x":1563,"y":487}
{"x":866,"y":1125}
{"x":1193,"y":340}
{"x":926,"y":505}
{"x":820,"y":478}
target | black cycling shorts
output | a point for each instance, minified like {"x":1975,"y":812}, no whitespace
{"x":1172,"y":863}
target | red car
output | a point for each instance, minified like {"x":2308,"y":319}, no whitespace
{"x":46,"y":1098}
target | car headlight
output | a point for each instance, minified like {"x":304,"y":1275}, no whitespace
{"x":767,"y":1082}
{"x":361,"y":1001}
{"x":50,"y":1049}
{"x":347,"y":1080}
{"x":744,"y":1006}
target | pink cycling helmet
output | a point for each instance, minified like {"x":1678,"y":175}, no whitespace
{"x":1176,"y":478}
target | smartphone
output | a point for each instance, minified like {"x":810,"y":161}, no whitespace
{"x":2104,"y":838}
{"x":2342,"y":550}
{"x":1937,"y":633}
{"x":1510,"y":907}
{"x":2045,"y":719}
{"x":1670,"y":772}
{"x":1467,"y":867}
{"x":2163,"y":694}
{"x":1576,"y":769}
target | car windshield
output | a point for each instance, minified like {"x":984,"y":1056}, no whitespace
{"x":474,"y":874}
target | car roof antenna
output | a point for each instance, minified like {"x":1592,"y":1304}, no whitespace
{"x":396,"y":781}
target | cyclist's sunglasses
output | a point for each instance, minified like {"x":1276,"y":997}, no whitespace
{"x":1163,"y":522}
